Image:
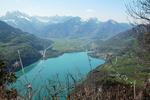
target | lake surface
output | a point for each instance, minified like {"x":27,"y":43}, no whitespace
{"x":41,"y":73}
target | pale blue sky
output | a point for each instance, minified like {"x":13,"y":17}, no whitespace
{"x":102,"y":9}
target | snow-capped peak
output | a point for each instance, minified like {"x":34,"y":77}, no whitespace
{"x":112,"y":21}
{"x":17,"y":14}
{"x":24,"y":17}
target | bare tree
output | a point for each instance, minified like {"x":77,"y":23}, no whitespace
{"x":139,"y":10}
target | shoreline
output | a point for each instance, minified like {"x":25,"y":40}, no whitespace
{"x":60,"y":54}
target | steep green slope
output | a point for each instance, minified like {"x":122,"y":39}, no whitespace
{"x":130,"y":54}
{"x":12,"y":40}
{"x":125,"y":72}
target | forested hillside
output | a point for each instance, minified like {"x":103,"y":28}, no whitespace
{"x":12,"y":40}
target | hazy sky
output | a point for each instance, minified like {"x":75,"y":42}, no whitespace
{"x":102,"y":9}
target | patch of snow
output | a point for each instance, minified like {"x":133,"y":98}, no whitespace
{"x":24,"y":18}
{"x":10,"y":20}
{"x":112,"y":21}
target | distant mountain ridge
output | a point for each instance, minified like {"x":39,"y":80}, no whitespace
{"x":64,"y":26}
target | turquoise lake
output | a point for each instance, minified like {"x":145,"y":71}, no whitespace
{"x":41,"y":72}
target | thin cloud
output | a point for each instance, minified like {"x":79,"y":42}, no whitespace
{"x":90,"y":11}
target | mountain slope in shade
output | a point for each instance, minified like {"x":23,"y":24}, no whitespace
{"x":12,"y":40}
{"x":64,"y":26}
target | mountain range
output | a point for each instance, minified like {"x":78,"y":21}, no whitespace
{"x":64,"y":26}
{"x":26,"y":30}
